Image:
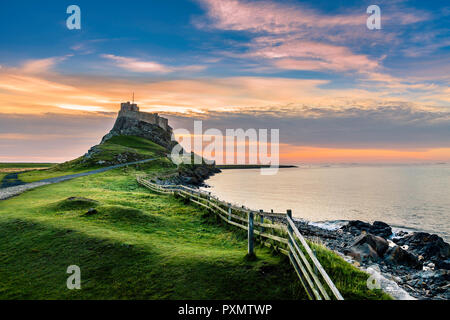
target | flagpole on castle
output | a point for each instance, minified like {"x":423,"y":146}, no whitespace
{"x":133,"y":97}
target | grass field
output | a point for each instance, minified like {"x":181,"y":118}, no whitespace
{"x":21,"y":165}
{"x":139,"y":147}
{"x":8,"y":167}
{"x":139,"y":245}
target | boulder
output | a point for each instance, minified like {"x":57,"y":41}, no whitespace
{"x":379,"y":244}
{"x":442,"y":264}
{"x":430,"y":246}
{"x":378,"y":228}
{"x":362,"y":252}
{"x":396,"y":255}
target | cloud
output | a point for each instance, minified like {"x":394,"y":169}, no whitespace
{"x":136,"y":65}
{"x":41,"y":65}
{"x":306,"y":55}
{"x":280,"y":18}
{"x":290,"y":36}
{"x":391,"y":126}
{"x":266,"y":16}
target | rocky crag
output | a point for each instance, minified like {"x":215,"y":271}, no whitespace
{"x":418,"y":262}
{"x":132,"y":122}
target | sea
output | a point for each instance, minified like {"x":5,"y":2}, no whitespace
{"x":407,"y":197}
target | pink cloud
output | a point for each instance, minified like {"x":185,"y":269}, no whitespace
{"x":307,"y":55}
{"x":136,"y":65}
{"x":41,"y":65}
{"x":297,"y":37}
{"x":278,"y":18}
{"x":271,"y":17}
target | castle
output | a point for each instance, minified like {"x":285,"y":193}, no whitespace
{"x":131,"y":110}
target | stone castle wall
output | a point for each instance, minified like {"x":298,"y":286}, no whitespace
{"x":130,"y":110}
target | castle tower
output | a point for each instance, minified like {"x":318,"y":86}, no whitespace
{"x":127,"y":106}
{"x":131,"y":110}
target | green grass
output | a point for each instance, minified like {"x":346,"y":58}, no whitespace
{"x":140,"y":148}
{"x":7,"y":165}
{"x":33,"y":176}
{"x":129,"y":144}
{"x":10,"y":167}
{"x":140,"y":245}
{"x":351,"y":282}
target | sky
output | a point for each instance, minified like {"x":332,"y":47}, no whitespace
{"x":337,"y":91}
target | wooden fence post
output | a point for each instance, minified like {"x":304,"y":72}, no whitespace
{"x":250,"y":233}
{"x":261,"y":218}
{"x":229,"y":211}
{"x":289,"y":214}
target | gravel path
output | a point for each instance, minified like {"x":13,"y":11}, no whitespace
{"x":14,"y":191}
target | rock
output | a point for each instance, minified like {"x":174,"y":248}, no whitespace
{"x":401,"y":233}
{"x":396,"y":255}
{"x":379,"y":244}
{"x":91,"y":212}
{"x":430,"y":246}
{"x":377,"y":228}
{"x":362,"y":253}
{"x":134,"y":127}
{"x":442,"y":264}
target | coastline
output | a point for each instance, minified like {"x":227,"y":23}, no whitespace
{"x":406,"y":272}
{"x":251,"y":166}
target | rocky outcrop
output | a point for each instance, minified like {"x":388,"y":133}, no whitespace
{"x":411,"y":261}
{"x":367,"y":247}
{"x":133,"y":127}
{"x":429,"y":247}
{"x":397,"y":255}
{"x":378,"y":228}
{"x":132,"y":122}
{"x":196,"y":174}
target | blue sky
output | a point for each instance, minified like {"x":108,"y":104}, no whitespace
{"x":166,"y":32}
{"x":280,"y":63}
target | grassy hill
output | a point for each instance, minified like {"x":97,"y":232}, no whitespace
{"x":136,"y":148}
{"x":138,"y":244}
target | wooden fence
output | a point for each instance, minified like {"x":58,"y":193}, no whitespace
{"x":276,"y":230}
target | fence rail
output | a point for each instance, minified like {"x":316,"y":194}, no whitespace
{"x":282,"y":235}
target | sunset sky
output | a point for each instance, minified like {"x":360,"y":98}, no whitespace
{"x":337,"y":91}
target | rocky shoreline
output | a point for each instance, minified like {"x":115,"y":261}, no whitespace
{"x":417,"y":262}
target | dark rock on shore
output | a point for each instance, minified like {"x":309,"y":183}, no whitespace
{"x":397,"y":255}
{"x":367,"y":247}
{"x":429,"y":246}
{"x":378,"y":228}
{"x":362,"y":253}
{"x":197,"y":171}
{"x":422,"y":276}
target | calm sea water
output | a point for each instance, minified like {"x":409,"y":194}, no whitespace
{"x":415,"y":197}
